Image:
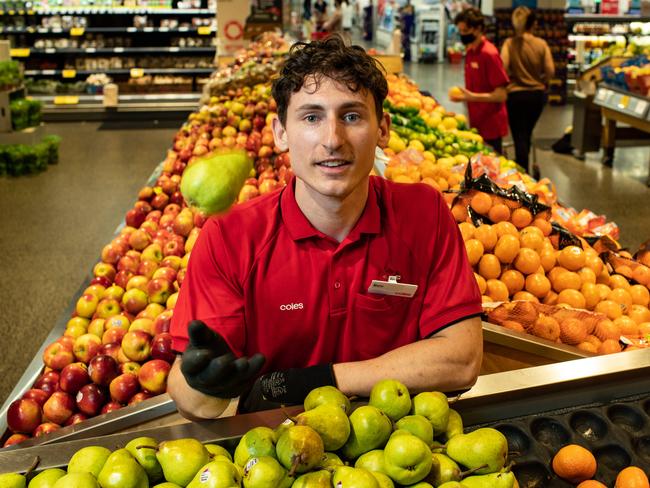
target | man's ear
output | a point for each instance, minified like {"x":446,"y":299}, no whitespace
{"x":279,"y":134}
{"x":384,"y":130}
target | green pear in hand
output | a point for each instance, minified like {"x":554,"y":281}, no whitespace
{"x":79,"y":480}
{"x":407,"y":459}
{"x":483,"y":447}
{"x":257,"y":442}
{"x":327,"y":394}
{"x":372,"y":461}
{"x":392,"y":398}
{"x":47,"y":478}
{"x":417,"y":425}
{"x":492,"y":480}
{"x":265,"y":472}
{"x":13,"y":480}
{"x":217,"y":450}
{"x":331,"y":423}
{"x":434,"y":406}
{"x":143,"y":449}
{"x":181,"y":459}
{"x":315,"y":479}
{"x":370,"y":428}
{"x":348,"y":477}
{"x":300,"y":449}
{"x":219,"y":473}
{"x":89,"y":459}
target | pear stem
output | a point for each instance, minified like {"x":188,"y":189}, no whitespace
{"x":32,"y":466}
{"x":470,"y":472}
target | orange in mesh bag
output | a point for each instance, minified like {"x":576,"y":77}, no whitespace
{"x":554,"y":323}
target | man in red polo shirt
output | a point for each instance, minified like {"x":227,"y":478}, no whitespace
{"x":284,"y":285}
{"x":485,"y":80}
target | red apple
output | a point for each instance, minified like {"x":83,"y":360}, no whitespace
{"x":15,"y":439}
{"x":124,"y":387}
{"x":103,"y":369}
{"x":135,"y":217}
{"x":136,"y":345}
{"x":161,"y":347}
{"x":153,"y":376}
{"x":113,"y":335}
{"x":57,"y":356}
{"x":75,"y":419}
{"x":139,"y":282}
{"x":73,"y":377}
{"x":162,"y":322}
{"x":39,"y":396}
{"x":24,"y":415}
{"x":134,"y":300}
{"x":110,"y":407}
{"x":90,"y":399}
{"x":128,"y":262}
{"x":104,"y":269}
{"x":112,"y":349}
{"x":58,"y":408}
{"x":123,"y":277}
{"x":129,"y":367}
{"x":139,"y":397}
{"x":86,"y":347}
{"x":159,"y":290}
{"x":46,"y":428}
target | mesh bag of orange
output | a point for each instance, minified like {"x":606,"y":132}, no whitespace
{"x":554,"y":323}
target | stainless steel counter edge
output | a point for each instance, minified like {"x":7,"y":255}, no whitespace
{"x":494,"y":397}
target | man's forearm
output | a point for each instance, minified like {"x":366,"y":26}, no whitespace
{"x":192,"y":404}
{"x":448,"y":362}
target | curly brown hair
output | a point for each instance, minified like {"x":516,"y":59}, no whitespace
{"x":331,"y":57}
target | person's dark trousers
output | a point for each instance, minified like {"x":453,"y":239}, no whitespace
{"x":497,"y":144}
{"x":524,"y":110}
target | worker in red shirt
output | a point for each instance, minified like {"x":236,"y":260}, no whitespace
{"x":485,"y":80}
{"x":340,"y":278}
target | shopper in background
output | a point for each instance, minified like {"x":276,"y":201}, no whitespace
{"x":291,"y":274}
{"x":485,"y":80}
{"x":529,"y":64}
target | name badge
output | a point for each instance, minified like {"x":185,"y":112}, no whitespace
{"x":392,"y":288}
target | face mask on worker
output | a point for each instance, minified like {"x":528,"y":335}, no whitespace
{"x":467,"y":39}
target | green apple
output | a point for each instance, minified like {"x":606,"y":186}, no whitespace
{"x":392,"y":398}
{"x":407,"y":459}
{"x":370,"y":428}
{"x":89,"y":459}
{"x":434,"y":406}
{"x":47,"y":478}
{"x":257,"y":442}
{"x":217,"y":450}
{"x":12,"y":480}
{"x":372,"y":461}
{"x":79,"y":480}
{"x":417,"y":425}
{"x":143,"y":449}
{"x":217,"y":474}
{"x":327,"y":394}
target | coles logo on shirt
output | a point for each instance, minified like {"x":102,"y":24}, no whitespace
{"x":291,"y":306}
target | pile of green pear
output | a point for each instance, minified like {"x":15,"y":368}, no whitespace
{"x":394,"y":440}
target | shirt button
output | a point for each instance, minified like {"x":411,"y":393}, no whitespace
{"x":337,"y":285}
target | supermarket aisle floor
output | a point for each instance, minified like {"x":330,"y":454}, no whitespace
{"x":54,"y":224}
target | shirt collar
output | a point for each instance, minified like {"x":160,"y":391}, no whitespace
{"x":299,"y":226}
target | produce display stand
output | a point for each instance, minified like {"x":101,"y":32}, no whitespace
{"x":626,"y":108}
{"x":529,"y":406}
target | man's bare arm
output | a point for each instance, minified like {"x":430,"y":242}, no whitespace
{"x":448,"y":361}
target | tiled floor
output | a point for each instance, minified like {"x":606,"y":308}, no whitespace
{"x":54,"y":224}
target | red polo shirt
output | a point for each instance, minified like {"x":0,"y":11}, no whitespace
{"x":269,"y":282}
{"x":483,"y":74}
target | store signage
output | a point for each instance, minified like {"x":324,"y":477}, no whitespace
{"x":231,"y":21}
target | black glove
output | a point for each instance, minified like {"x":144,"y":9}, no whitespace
{"x":289,"y":387}
{"x":210,"y":367}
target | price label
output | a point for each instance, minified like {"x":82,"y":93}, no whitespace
{"x":19,"y":52}
{"x":204,"y":30}
{"x":66,"y":100}
{"x":624,"y":101}
{"x":137,"y":72}
{"x":77,"y":31}
{"x":69,"y":73}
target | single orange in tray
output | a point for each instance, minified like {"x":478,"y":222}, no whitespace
{"x":632,"y":477}
{"x":574,"y":463}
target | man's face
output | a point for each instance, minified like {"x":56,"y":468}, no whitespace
{"x":332,"y":134}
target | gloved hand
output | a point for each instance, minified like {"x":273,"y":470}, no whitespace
{"x":209,"y":365}
{"x":288,"y":387}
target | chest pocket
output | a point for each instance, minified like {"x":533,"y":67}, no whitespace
{"x":381,"y":323}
